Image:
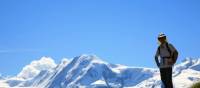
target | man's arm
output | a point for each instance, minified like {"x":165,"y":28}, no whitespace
{"x":174,"y":53}
{"x":156,"y":58}
{"x":175,"y":56}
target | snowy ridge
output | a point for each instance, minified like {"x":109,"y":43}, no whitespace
{"x":90,"y":71}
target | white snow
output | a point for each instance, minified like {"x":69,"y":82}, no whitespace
{"x":36,"y":66}
{"x":3,"y":84}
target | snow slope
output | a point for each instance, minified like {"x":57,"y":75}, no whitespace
{"x":90,"y":71}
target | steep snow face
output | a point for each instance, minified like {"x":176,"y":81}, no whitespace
{"x":83,"y":70}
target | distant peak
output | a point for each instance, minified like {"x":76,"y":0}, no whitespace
{"x":65,"y":61}
{"x":188,"y":63}
{"x":187,"y":59}
{"x":191,"y":61}
{"x":88,"y":57}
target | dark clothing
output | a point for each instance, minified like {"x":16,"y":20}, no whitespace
{"x":166,"y":77}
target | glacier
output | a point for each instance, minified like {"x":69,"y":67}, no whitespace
{"x":90,"y":71}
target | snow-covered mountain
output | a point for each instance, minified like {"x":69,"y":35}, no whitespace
{"x":89,"y":71}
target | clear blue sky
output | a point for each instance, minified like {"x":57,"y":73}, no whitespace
{"x":118,"y":31}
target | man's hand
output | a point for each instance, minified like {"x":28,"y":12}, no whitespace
{"x":170,"y":61}
{"x":158,"y":64}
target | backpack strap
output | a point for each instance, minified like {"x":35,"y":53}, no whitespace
{"x":169,"y":50}
{"x":159,"y":50}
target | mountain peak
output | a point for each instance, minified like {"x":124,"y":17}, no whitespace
{"x":88,"y":58}
{"x":31,"y":70}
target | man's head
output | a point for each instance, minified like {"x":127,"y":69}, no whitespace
{"x":162,"y":38}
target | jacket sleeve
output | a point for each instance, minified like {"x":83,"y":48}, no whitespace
{"x":174,"y":52}
{"x":156,"y":58}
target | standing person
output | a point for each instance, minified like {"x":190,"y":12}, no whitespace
{"x":165,"y":58}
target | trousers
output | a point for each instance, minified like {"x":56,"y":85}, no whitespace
{"x":166,"y":77}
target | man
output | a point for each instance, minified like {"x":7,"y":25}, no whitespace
{"x":165,"y":58}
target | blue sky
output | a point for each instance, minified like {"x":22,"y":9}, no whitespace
{"x":118,"y":31}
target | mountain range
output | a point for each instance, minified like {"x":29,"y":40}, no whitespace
{"x":90,"y":71}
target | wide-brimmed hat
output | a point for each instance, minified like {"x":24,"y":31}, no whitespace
{"x":161,"y":35}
